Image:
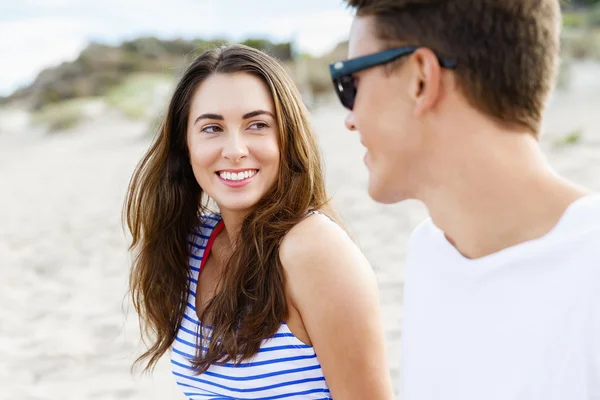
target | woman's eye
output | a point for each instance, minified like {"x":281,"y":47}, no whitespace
{"x":211,"y":129}
{"x":259,"y":126}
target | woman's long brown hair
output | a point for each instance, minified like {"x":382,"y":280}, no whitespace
{"x":165,"y":204}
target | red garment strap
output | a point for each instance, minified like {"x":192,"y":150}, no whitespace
{"x":216,"y":230}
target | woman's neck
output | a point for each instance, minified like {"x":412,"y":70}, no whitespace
{"x":232,"y":221}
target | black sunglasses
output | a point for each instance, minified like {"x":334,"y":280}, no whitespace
{"x":343,"y":80}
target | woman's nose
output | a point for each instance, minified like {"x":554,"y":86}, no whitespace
{"x":234,"y":148}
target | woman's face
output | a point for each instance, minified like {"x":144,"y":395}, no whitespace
{"x":232,"y":139}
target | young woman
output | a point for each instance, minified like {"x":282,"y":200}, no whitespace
{"x":266,"y":298}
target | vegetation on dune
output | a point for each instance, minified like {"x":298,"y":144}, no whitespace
{"x":140,"y":94}
{"x":100,"y":67}
{"x":61,"y":116}
{"x":569,"y":139}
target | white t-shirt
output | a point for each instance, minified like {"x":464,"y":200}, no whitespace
{"x":520,"y":324}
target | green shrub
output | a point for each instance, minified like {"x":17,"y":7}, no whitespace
{"x":569,"y":139}
{"x":138,"y":95}
{"x":574,"y":19}
{"x":594,"y":17}
{"x":61,"y":116}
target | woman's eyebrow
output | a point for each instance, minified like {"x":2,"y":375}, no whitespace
{"x":209,"y":116}
{"x":253,"y":114}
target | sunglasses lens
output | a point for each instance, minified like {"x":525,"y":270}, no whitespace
{"x":346,"y":90}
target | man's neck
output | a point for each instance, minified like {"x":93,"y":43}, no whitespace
{"x":497,"y":196}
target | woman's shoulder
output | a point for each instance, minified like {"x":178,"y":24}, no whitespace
{"x":310,"y":230}
{"x":315,"y":237}
{"x":320,"y":259}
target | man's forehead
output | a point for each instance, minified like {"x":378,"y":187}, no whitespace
{"x":362,"y":37}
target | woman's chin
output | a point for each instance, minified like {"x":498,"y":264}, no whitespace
{"x":236,"y":206}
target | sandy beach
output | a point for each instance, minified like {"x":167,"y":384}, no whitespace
{"x":67,"y":330}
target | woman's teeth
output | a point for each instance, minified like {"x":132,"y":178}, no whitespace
{"x":239,"y":176}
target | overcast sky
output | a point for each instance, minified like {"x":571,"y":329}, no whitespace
{"x":35,"y":34}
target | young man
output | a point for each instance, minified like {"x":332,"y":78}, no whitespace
{"x":502,"y":296}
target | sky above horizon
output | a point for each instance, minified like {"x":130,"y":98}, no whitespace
{"x":35,"y":34}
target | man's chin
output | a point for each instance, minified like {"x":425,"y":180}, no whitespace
{"x":382,"y":193}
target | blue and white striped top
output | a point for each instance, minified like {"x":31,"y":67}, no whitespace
{"x":284,"y":367}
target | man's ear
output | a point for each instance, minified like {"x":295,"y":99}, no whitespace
{"x":425,"y":84}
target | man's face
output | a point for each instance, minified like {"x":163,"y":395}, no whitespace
{"x":383,"y":114}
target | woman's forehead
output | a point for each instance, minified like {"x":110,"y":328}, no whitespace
{"x":232,"y":95}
